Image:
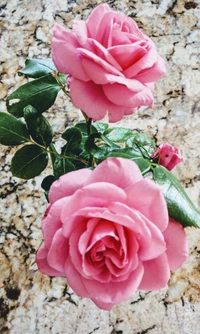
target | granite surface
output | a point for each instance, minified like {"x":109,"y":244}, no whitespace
{"x":33,"y":303}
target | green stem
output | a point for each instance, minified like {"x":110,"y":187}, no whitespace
{"x":54,"y":152}
{"x":89,"y":132}
{"x":61,"y":84}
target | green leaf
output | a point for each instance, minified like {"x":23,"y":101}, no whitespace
{"x":73,"y":137}
{"x":179,"y":205}
{"x":28,"y":162}
{"x":143,"y":142}
{"x":46,"y":184}
{"x":62,"y":166}
{"x":39,"y":128}
{"x":101,"y":127}
{"x":36,"y":68}
{"x":40,"y":93}
{"x":12,"y":130}
{"x":118,"y":134}
{"x":63,"y":78}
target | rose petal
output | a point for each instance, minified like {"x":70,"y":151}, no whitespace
{"x":147,"y":61}
{"x":102,"y":305}
{"x":91,"y":99}
{"x":103,"y":63}
{"x":126,"y":55}
{"x":136,"y":96}
{"x":156,"y":274}
{"x":52,"y":222}
{"x":177,"y":248}
{"x":64,"y":53}
{"x":80,"y":30}
{"x":149,"y":237}
{"x":120,"y":172}
{"x":58,"y":251}
{"x":67,"y":184}
{"x":90,"y":195}
{"x":147,"y":198}
{"x":43,"y":266}
{"x":104,"y":54}
{"x":114,"y":292}
{"x":153,"y":73}
{"x":95,"y":18}
{"x":74,"y":279}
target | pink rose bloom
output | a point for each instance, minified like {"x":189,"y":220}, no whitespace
{"x":168,"y":156}
{"x":109,"y":233}
{"x":113,"y":66}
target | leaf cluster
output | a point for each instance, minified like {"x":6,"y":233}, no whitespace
{"x":85,"y":144}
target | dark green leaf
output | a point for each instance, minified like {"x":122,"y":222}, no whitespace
{"x":46,"y":184}
{"x":62,"y":166}
{"x":36,"y":68}
{"x":73,"y":137}
{"x":179,"y":205}
{"x":29,"y":161}
{"x":12,"y":130}
{"x":40,"y":93}
{"x":39,"y":128}
{"x":118,"y":134}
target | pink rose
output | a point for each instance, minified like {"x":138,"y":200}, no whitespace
{"x":109,"y":233}
{"x":168,"y":156}
{"x":113,"y":66}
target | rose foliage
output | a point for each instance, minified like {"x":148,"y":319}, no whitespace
{"x":108,"y":231}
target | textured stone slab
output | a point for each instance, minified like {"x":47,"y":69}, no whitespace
{"x":33,"y":303}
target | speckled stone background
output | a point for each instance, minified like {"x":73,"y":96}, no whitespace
{"x":33,"y":303}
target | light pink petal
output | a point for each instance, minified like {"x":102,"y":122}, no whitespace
{"x":156,"y":274}
{"x":52,"y":222}
{"x":99,"y":50}
{"x":98,"y":74}
{"x":177,"y":247}
{"x":80,"y":30}
{"x":96,"y":194}
{"x":133,"y":220}
{"x":43,"y":266}
{"x":75,"y":255}
{"x":74,"y":279}
{"x":64,"y":53}
{"x":126,"y":55}
{"x":98,"y":60}
{"x":114,"y":292}
{"x":154,"y":73}
{"x":134,"y":97}
{"x":58,"y":251}
{"x":91,"y":99}
{"x":147,"y":198}
{"x":95,"y":18}
{"x":150,"y":85}
{"x":102,"y":305}
{"x":117,"y":213}
{"x":118,"y":171}
{"x":149,"y":59}
{"x":157,"y":247}
{"x":97,"y":229}
{"x":67,"y":184}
